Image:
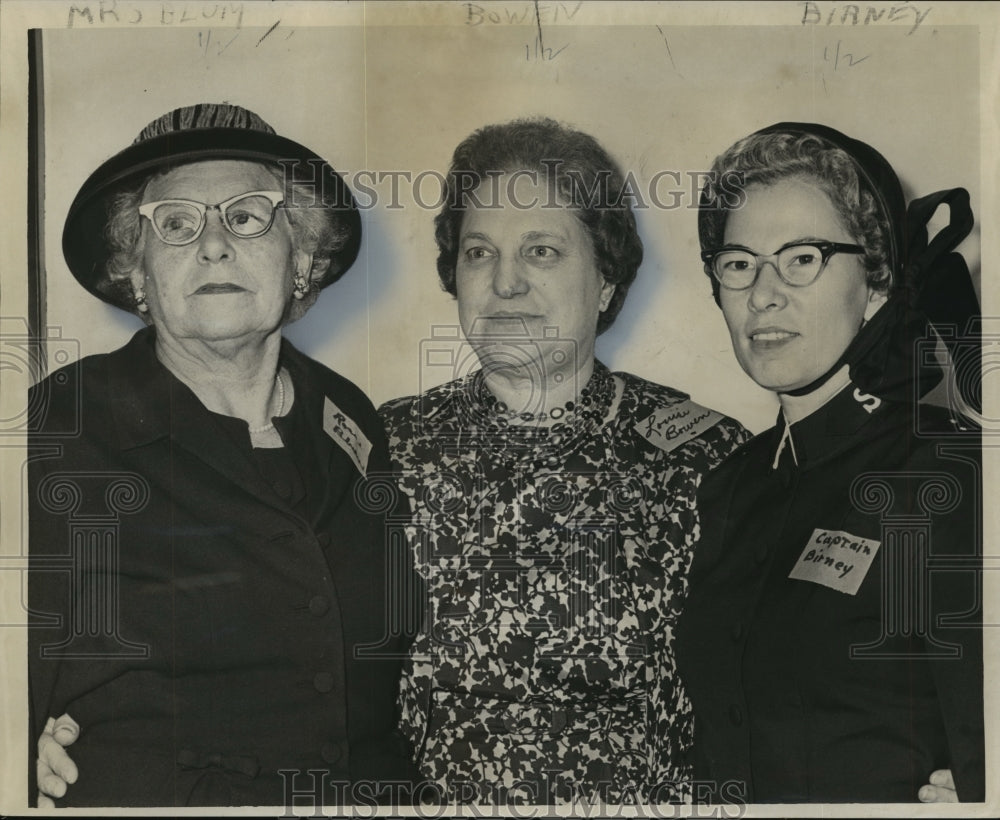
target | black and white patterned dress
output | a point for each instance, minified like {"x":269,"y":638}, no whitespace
{"x":555,"y":561}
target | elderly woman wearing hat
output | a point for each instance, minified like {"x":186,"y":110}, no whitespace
{"x":831,"y":642}
{"x":204,"y":567}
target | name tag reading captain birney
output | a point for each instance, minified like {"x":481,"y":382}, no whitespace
{"x":342,"y":429}
{"x":836,"y":559}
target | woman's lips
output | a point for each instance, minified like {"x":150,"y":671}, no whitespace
{"x":512,"y":315}
{"x":771,"y":337}
{"x":505,"y":324}
{"x":218,"y":287}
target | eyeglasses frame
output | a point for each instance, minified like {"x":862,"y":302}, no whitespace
{"x":276,"y":199}
{"x":825,"y":248}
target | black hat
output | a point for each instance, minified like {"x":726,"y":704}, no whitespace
{"x":191,"y":134}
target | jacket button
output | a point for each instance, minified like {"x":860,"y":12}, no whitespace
{"x":760,"y":555}
{"x":323,"y":681}
{"x":319,"y":605}
{"x":331,"y":752}
{"x":737,"y":631}
{"x":736,"y":715}
{"x":324,"y":539}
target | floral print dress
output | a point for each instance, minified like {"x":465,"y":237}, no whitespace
{"x":555,"y":561}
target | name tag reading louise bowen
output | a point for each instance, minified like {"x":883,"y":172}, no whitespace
{"x":670,"y":427}
{"x":835,"y":559}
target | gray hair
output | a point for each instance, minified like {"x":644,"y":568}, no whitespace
{"x":319,"y":231}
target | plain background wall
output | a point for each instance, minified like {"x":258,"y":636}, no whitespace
{"x":400,"y":98}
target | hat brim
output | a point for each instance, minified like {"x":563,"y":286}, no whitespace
{"x":84,"y":246}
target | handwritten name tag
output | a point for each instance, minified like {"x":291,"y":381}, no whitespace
{"x":670,"y":427}
{"x":342,"y":429}
{"x":836,"y":559}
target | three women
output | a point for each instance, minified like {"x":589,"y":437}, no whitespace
{"x":552,"y":511}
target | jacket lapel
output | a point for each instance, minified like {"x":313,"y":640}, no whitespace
{"x":149,"y":404}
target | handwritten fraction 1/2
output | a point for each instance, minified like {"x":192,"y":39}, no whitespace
{"x":840,"y":58}
{"x":840,"y":61}
{"x":525,"y":14}
{"x":216,"y":41}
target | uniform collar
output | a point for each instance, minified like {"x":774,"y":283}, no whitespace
{"x":829,"y":430}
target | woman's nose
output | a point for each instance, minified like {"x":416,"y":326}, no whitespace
{"x":768,"y":292}
{"x":508,"y":277}
{"x":215,"y":242}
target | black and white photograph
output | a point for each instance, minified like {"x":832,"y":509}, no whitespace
{"x":519,"y":408}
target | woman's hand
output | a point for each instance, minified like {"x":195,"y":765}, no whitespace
{"x":941,"y":789}
{"x":54,"y":767}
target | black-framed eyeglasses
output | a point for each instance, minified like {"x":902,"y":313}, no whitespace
{"x":798,"y":263}
{"x":181,"y":221}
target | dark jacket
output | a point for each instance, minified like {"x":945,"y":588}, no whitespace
{"x":209,"y":622}
{"x":832,"y":638}
{"x":807,"y":693}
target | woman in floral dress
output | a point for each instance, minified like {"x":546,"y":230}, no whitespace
{"x":553,"y":500}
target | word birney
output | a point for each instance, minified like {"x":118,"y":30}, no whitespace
{"x":835,"y":559}
{"x":822,"y":14}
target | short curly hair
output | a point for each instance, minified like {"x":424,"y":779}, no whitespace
{"x":766,"y":158}
{"x":582,"y":173}
{"x":321,"y":232}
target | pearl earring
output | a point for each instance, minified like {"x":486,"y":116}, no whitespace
{"x":301,"y":286}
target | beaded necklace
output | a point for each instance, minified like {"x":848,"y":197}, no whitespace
{"x":487,"y":422}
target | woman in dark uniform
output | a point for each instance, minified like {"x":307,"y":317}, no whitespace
{"x":831,"y":642}
{"x":205,"y":569}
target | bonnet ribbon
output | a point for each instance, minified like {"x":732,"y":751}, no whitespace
{"x":892,"y":356}
{"x":945,"y":293}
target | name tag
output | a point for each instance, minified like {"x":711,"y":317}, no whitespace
{"x":348,"y":436}
{"x":836,"y":559}
{"x":670,"y":427}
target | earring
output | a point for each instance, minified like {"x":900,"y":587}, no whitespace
{"x":140,"y":300}
{"x":301,"y":286}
